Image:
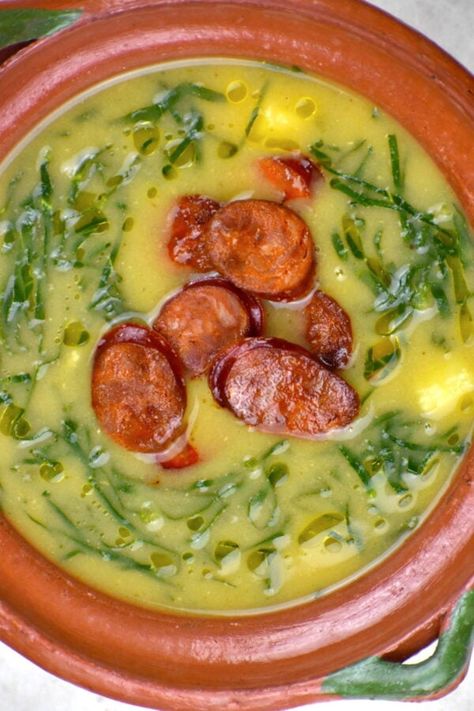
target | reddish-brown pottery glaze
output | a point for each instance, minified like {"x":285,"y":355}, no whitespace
{"x":271,"y":660}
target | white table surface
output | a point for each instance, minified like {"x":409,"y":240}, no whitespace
{"x":26,"y":687}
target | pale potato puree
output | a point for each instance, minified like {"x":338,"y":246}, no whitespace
{"x":261,"y":520}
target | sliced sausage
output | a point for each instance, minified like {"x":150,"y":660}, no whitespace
{"x":262,"y":247}
{"x":206,"y":316}
{"x":278,"y":387}
{"x":295,"y":175}
{"x":328,"y":330}
{"x":138,"y":394}
{"x":186,"y":458}
{"x":186,"y":245}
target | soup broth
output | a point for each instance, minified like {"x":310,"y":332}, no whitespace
{"x":260,"y":519}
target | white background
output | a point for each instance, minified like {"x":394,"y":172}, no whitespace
{"x":25,"y":687}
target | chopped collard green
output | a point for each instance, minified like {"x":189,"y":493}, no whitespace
{"x":205,"y":502}
{"x":391,"y":449}
{"x":436,"y":267}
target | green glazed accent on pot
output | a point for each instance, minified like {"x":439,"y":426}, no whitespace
{"x":376,"y":678}
{"x":29,"y":24}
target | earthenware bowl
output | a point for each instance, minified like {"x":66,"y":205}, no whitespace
{"x":285,"y":658}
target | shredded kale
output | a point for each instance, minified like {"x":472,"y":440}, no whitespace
{"x":393,"y":449}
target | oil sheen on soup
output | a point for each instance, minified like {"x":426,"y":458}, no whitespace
{"x":237,"y":351}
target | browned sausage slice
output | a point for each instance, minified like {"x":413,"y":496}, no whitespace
{"x":262,"y":247}
{"x":295,"y":175}
{"x":204,"y":317}
{"x":186,"y":245}
{"x":278,"y":387}
{"x":328,"y":330}
{"x":137,"y":391}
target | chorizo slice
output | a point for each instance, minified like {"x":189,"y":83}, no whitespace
{"x":206,"y":316}
{"x":186,"y":458}
{"x":186,"y":245}
{"x":295,"y":175}
{"x":277,"y":386}
{"x":138,"y":394}
{"x":262,"y":247}
{"x":328,"y":330}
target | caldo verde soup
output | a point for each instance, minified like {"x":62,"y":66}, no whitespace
{"x":266,"y":433}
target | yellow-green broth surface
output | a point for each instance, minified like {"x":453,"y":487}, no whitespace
{"x":261,"y":520}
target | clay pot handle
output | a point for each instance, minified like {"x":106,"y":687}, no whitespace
{"x":21,"y":25}
{"x":441,"y":673}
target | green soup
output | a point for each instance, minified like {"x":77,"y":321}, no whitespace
{"x":260,"y":520}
